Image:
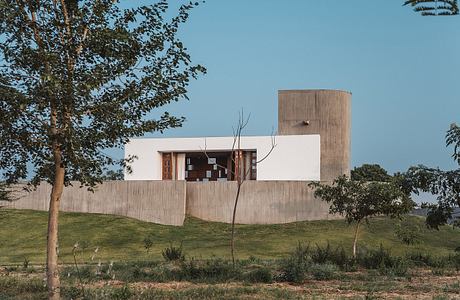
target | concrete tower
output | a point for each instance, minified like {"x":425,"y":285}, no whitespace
{"x":323,"y":112}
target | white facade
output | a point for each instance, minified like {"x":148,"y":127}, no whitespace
{"x":295,"y":157}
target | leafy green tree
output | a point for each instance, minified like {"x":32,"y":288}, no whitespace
{"x":453,"y":139}
{"x":78,"y":77}
{"x":5,"y":194}
{"x":434,"y":7}
{"x":370,"y":172}
{"x":444,"y":184}
{"x":113,"y":175}
{"x":359,"y":201}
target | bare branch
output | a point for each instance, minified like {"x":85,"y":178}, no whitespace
{"x":207,"y":156}
{"x":273,"y":139}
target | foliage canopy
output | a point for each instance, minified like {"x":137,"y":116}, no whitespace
{"x":370,"y":172}
{"x":434,"y":7}
{"x":84,"y":76}
{"x":358,"y":200}
{"x":445,"y":185}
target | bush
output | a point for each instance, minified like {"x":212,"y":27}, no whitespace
{"x":455,"y":261}
{"x":382,"y":260}
{"x":172,"y":253}
{"x":214,"y":270}
{"x":148,"y":243}
{"x":323,"y":271}
{"x":420,"y":259}
{"x":295,"y":267}
{"x":408,"y":233}
{"x":25,"y":263}
{"x":398,"y":267}
{"x":375,"y":259}
{"x":337,"y":256}
{"x":322,"y":255}
{"x":260,"y":275}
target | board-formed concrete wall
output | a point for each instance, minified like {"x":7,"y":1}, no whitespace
{"x":260,"y":202}
{"x":160,"y":202}
{"x":167,"y":202}
{"x":323,"y":112}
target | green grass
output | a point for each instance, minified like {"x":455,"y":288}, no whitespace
{"x":23,"y":234}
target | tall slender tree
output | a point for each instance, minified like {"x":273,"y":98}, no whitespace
{"x":78,"y":77}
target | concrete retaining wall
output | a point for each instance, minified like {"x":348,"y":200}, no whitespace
{"x":260,"y":202}
{"x":167,"y":202}
{"x":160,"y":202}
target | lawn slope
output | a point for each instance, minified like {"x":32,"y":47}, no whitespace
{"x":23,"y":235}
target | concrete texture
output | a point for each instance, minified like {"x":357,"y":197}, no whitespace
{"x":160,"y":202}
{"x":323,"y":112}
{"x":167,"y":202}
{"x":261,"y":202}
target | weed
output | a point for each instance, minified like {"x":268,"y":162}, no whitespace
{"x":172,"y":253}
{"x":25,"y":263}
{"x":323,"y":271}
{"x":420,"y":259}
{"x":148,"y":243}
{"x":260,"y":275}
{"x":295,"y":267}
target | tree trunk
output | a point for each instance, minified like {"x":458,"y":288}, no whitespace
{"x":232,"y":246}
{"x":356,"y":239}
{"x":52,"y":271}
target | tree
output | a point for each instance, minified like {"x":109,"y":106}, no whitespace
{"x":453,"y":139}
{"x":78,"y":77}
{"x":113,"y":175}
{"x":5,"y":192}
{"x":444,"y":184}
{"x":239,"y":174}
{"x":370,"y":172}
{"x":434,"y":7}
{"x":359,"y":201}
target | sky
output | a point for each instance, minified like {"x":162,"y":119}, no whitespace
{"x":402,"y":69}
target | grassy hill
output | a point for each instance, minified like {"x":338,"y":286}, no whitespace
{"x":23,"y":235}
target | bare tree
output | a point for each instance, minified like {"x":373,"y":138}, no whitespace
{"x":239,"y":173}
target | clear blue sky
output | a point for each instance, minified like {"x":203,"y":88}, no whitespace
{"x":403,"y":71}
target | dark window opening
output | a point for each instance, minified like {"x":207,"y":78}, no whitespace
{"x":219,"y":166}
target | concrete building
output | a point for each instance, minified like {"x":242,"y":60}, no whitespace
{"x":168,"y":179}
{"x":313,"y":143}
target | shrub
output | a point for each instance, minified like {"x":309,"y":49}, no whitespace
{"x":25,"y":263}
{"x":172,"y":253}
{"x":323,"y":271}
{"x":148,"y":243}
{"x":455,"y":261}
{"x":337,"y":256}
{"x":295,"y":267}
{"x":214,"y":270}
{"x":420,"y":259}
{"x":259,"y":275}
{"x":322,"y":255}
{"x":397,"y":267}
{"x":408,"y":233}
{"x":382,"y":260}
{"x":375,"y":259}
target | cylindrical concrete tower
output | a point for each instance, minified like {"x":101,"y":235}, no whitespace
{"x":323,"y":112}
